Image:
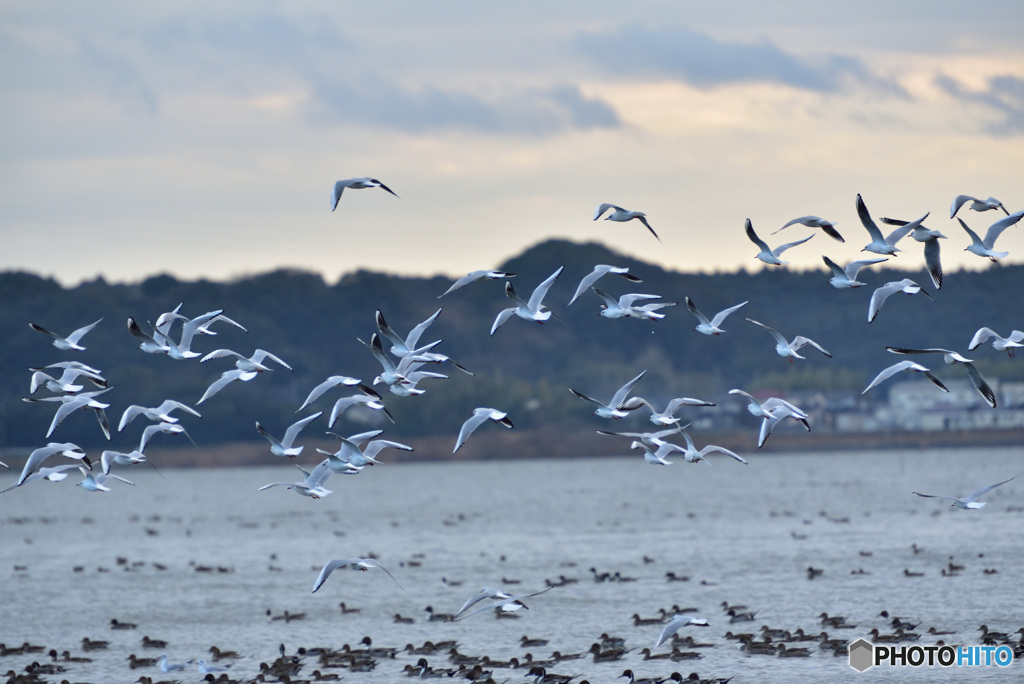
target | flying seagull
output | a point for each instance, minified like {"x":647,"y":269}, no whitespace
{"x":767,"y":254}
{"x":362,"y":564}
{"x":620,"y":215}
{"x":971,"y":500}
{"x":355,"y":184}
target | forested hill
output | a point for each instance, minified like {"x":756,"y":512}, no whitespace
{"x":524,"y":368}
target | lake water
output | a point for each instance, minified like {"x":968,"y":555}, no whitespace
{"x":73,"y":560}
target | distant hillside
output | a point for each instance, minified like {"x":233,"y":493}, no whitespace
{"x":524,"y":368}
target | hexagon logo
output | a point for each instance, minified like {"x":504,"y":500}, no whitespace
{"x":862,"y":655}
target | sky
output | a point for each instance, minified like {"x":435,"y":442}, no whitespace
{"x":203,"y":139}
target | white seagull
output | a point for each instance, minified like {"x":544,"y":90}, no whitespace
{"x":599,"y":271}
{"x":878,"y":297}
{"x":621,"y":215}
{"x":97,"y":483}
{"x":253,"y":363}
{"x":66,"y":382}
{"x":986,"y":247}
{"x":881,"y":244}
{"x":713,"y":326}
{"x":950,"y":358}
{"x":533,"y":310}
{"x":36,"y":458}
{"x":69,"y":403}
{"x":843,"y":278}
{"x":69,"y":342}
{"x":403,"y":346}
{"x":905,"y":366}
{"x":345,"y":403}
{"x":225,"y":379}
{"x":623,"y":307}
{"x":827,"y":227}
{"x":474,"y":276}
{"x":362,"y":564}
{"x":694,"y":455}
{"x":767,"y":254}
{"x":480,"y":416}
{"x":776,"y":413}
{"x":656,"y":457}
{"x":971,"y":500}
{"x":332,"y":382}
{"x":157,"y":414}
{"x":351,"y":455}
{"x":930,"y":238}
{"x":499,"y":600}
{"x":999,"y":343}
{"x":655,"y":439}
{"x":157,"y":343}
{"x":676,"y":623}
{"x":668,"y":416}
{"x":976,"y":204}
{"x":788,"y":350}
{"x":355,"y":184}
{"x":402,"y":377}
{"x":163,"y":428}
{"x":313,"y":484}
{"x":621,"y":403}
{"x":283,"y":447}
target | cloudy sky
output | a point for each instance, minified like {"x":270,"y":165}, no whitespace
{"x":203,"y":139}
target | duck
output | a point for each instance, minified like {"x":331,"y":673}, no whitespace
{"x":527,"y":642}
{"x":786,"y":652}
{"x":116,"y":624}
{"x":135,"y":662}
{"x":94,"y":645}
{"x":153,"y":643}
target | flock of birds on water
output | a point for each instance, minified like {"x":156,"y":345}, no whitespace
{"x":404,"y":366}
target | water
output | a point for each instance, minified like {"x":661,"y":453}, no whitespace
{"x":743,"y":534}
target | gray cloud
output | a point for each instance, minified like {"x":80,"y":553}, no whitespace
{"x":1004,"y":94}
{"x":705,"y":62}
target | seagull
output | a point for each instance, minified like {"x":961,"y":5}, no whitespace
{"x":166,"y":666}
{"x":283,"y":447}
{"x":164,"y":428}
{"x":69,"y":403}
{"x":499,"y":600}
{"x":165,"y":320}
{"x":252,"y":364}
{"x":345,"y":403}
{"x":951,"y":357}
{"x":474,"y":276}
{"x":401,"y":377}
{"x":65,"y":383}
{"x":976,"y":204}
{"x":767,"y":254}
{"x":788,"y":350}
{"x":332,"y":382}
{"x":183,"y":349}
{"x":599,"y":271}
{"x":668,"y":416}
{"x":846,"y":278}
{"x":624,"y":307}
{"x":655,"y":439}
{"x":350,"y":455}
{"x":776,"y":413}
{"x":880,"y":244}
{"x":970,"y":501}
{"x":157,"y":343}
{"x":479,"y":417}
{"x":827,"y":227}
{"x":930,"y":238}
{"x":676,"y":623}
{"x":620,"y":405}
{"x":355,"y":184}
{"x":712,"y":327}
{"x":620,"y":215}
{"x":533,"y":310}
{"x":157,"y":414}
{"x":109,"y":457}
{"x":362,"y":564}
{"x":313,"y":484}
{"x":404,"y":346}
{"x":879,"y":296}
{"x":225,"y":379}
{"x":97,"y":483}
{"x":69,"y":342}
{"x":656,"y":457}
{"x":693,"y":455}
{"x":35,"y":459}
{"x":905,"y":366}
{"x":999,"y":343}
{"x":206,"y":669}
{"x":986,"y":247}
{"x":54,"y":474}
